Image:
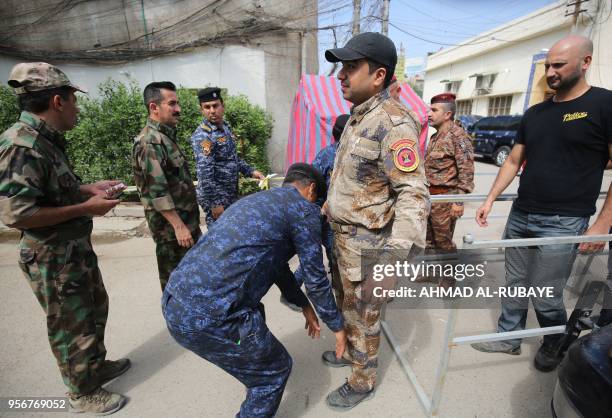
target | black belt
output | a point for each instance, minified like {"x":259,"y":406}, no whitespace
{"x":351,"y":230}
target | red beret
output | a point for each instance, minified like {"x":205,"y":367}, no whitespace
{"x":443,"y":98}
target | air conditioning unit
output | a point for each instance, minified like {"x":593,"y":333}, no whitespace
{"x":483,"y":91}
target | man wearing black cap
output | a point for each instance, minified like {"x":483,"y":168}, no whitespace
{"x":212,"y":303}
{"x":378,"y":199}
{"x":217,"y":162}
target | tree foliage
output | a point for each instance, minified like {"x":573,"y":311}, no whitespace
{"x":100,"y":146}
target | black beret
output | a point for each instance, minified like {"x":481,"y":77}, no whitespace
{"x":209,"y":94}
{"x":339,"y":126}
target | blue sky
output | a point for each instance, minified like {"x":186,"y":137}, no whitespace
{"x":437,"y":22}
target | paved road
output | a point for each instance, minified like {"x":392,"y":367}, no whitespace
{"x":165,"y":380}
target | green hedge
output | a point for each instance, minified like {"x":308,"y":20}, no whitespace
{"x":100,"y":147}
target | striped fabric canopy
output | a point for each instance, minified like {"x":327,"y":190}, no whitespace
{"x":317,"y":104}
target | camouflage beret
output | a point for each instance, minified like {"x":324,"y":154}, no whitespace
{"x":37,"y":76}
{"x":443,"y":98}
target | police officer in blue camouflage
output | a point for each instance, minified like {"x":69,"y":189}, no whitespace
{"x":217,"y":162}
{"x":212,"y":303}
{"x":324,"y":162}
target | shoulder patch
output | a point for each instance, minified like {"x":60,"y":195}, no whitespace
{"x":405,"y":155}
{"x":206,"y":146}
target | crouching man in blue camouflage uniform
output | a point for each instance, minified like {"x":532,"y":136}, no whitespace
{"x":212,"y":303}
{"x":41,"y":196}
{"x":217,"y":162}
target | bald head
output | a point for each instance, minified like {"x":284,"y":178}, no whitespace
{"x":567,"y":63}
{"x":575,"y":45}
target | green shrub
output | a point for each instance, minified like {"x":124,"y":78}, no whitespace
{"x":9,"y":110}
{"x":100,"y":146}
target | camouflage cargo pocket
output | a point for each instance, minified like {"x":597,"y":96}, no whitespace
{"x":27,"y":263}
{"x":68,"y":277}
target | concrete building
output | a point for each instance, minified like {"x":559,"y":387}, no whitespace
{"x":501,"y":72}
{"x":257,"y":48}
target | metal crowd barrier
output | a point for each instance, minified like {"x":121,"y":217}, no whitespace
{"x":431,"y":405}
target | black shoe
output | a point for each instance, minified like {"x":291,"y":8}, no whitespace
{"x":547,"y":359}
{"x":329,"y":358}
{"x":290,"y":305}
{"x":345,"y":397}
{"x":111,"y":369}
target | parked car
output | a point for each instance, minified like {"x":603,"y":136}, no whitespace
{"x":494,"y":136}
{"x":468,"y":122}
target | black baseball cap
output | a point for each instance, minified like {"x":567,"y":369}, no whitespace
{"x":372,"y":45}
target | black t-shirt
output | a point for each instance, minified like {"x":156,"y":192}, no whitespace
{"x":566,"y":149}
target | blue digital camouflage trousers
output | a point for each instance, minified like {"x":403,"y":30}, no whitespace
{"x":244,"y":347}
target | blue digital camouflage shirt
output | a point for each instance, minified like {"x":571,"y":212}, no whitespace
{"x":233,"y":266}
{"x":324,"y":161}
{"x":217,"y":165}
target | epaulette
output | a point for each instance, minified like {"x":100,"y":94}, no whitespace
{"x":399,"y":114}
{"x":150,"y":137}
{"x":205,"y":127}
{"x":21,"y":135}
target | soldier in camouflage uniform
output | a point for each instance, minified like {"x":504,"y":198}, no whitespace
{"x":449,"y":167}
{"x":212,"y":303}
{"x":164,"y":183}
{"x":378,"y":199}
{"x":42,"y":197}
{"x":217,"y":162}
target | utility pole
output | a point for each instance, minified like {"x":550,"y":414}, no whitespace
{"x":575,"y":16}
{"x":385,"y":17}
{"x":356,"y":16}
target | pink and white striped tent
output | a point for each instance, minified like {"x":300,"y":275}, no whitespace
{"x":317,"y":104}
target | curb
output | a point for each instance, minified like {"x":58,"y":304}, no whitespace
{"x":142,"y":230}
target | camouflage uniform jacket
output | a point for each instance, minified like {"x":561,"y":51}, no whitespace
{"x":378,"y":178}
{"x":233,"y":266}
{"x":35,"y":173}
{"x":217,"y":165}
{"x":163,"y":180}
{"x":449,"y":160}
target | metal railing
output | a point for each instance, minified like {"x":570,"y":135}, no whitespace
{"x":450,"y":341}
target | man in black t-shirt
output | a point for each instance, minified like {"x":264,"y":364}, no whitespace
{"x":566,"y":143}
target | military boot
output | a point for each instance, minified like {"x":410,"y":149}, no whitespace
{"x":345,"y":397}
{"x":98,"y":402}
{"x":111,"y":369}
{"x":329,"y":358}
